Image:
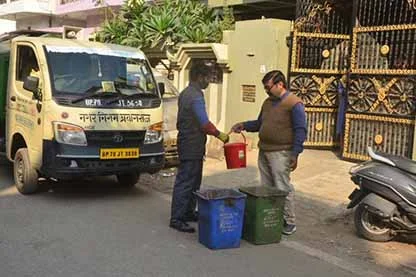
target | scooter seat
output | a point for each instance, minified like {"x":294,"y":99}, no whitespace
{"x":405,"y":164}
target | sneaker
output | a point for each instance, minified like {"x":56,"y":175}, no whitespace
{"x":289,"y":229}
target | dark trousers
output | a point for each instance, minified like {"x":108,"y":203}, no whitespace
{"x":188,"y":180}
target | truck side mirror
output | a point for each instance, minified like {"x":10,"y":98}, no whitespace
{"x":161,"y":88}
{"x":31,"y":84}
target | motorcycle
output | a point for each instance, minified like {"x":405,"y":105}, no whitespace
{"x":386,"y":197}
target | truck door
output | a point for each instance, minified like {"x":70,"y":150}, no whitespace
{"x":25,"y":106}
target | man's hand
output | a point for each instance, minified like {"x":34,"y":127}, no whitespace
{"x":238,"y":127}
{"x":223,"y":137}
{"x":293,"y":163}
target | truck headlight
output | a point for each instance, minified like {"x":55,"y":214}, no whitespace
{"x":69,"y":134}
{"x":153,"y":133}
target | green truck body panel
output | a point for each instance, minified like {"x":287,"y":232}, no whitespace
{"x":4,"y":71}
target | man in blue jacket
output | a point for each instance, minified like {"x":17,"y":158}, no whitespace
{"x":193,"y":127}
{"x":282,"y":130}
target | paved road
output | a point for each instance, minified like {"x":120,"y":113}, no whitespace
{"x":96,"y":228}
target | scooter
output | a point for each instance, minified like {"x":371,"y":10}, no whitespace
{"x":386,"y":197}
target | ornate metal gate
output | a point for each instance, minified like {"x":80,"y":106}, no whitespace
{"x":382,"y":79}
{"x":318,"y":66}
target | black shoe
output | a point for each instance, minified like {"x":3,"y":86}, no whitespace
{"x":193,"y":217}
{"x":289,"y":229}
{"x":181,"y":226}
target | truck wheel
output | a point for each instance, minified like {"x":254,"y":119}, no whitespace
{"x":25,"y":176}
{"x":370,"y":226}
{"x":128,"y":179}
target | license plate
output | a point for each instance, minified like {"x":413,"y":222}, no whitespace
{"x":119,"y":153}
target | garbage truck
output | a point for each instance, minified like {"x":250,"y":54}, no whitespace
{"x":73,"y":109}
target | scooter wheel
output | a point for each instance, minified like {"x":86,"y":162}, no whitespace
{"x":370,"y":226}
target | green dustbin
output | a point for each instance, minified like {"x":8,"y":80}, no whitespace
{"x":263,"y":215}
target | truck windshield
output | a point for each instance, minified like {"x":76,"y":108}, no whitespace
{"x":78,"y":71}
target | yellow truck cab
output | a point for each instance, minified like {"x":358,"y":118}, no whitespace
{"x":71,"y":108}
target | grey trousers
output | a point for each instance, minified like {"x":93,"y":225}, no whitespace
{"x":274,"y":170}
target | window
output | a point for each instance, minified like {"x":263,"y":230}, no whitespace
{"x":26,"y":62}
{"x":82,"y":70}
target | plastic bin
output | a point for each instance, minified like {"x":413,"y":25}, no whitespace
{"x":221,"y":213}
{"x":263,"y":216}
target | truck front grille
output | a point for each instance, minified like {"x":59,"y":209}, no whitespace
{"x":115,"y":138}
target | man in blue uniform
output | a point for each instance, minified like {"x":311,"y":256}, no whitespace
{"x":193,"y":127}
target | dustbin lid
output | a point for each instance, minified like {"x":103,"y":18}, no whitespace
{"x":216,"y":194}
{"x":263,"y":191}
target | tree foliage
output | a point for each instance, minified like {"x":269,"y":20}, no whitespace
{"x":228,"y":20}
{"x":165,"y":25}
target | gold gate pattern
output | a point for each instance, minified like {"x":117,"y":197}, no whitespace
{"x":382,"y":80}
{"x":319,"y":64}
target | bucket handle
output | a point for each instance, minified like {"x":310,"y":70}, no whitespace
{"x":244,"y":137}
{"x":241,"y":133}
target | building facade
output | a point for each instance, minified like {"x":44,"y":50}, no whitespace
{"x":52,"y":15}
{"x":89,"y":15}
{"x":7,"y":26}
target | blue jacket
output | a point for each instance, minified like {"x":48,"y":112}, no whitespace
{"x":191,"y":111}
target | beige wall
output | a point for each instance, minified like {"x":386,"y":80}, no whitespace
{"x":255,"y":47}
{"x":247,"y":54}
{"x":213,"y":96}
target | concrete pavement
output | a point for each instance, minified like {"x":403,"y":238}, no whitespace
{"x":322,"y":185}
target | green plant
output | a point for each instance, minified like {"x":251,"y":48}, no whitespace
{"x":113,"y":31}
{"x":228,"y":19}
{"x":164,"y":26}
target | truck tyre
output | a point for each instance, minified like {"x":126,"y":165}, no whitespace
{"x":370,"y":226}
{"x":25,"y":176}
{"x":128,"y":179}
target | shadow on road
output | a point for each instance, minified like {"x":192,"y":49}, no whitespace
{"x":97,"y":187}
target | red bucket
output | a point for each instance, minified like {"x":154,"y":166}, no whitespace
{"x":235,"y":154}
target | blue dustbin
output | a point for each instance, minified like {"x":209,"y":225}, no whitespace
{"x":221,"y":213}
